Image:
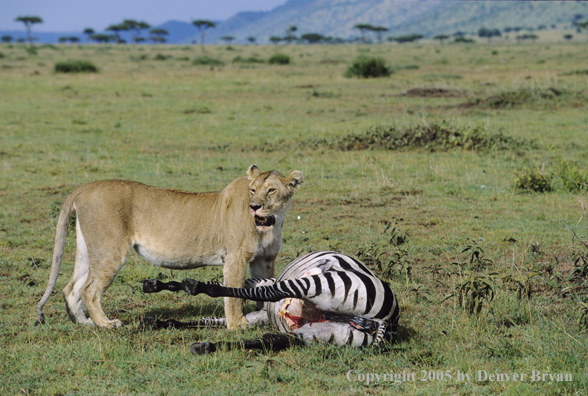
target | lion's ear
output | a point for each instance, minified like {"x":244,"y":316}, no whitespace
{"x":295,"y":180}
{"x":253,"y":171}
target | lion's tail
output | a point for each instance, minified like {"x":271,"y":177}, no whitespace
{"x":60,"y":238}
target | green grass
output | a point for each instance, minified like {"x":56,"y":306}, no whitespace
{"x":175,"y":124}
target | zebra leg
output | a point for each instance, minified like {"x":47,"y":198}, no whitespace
{"x":380,"y":333}
{"x":272,"y":293}
{"x":190,"y":286}
{"x":274,"y":342}
{"x":154,"y":323}
{"x":155,"y":286}
{"x":253,"y":318}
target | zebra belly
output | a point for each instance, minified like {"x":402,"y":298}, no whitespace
{"x":333,"y":333}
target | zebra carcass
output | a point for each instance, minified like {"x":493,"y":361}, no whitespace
{"x":323,"y":296}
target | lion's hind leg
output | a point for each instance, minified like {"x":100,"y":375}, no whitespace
{"x":72,"y":292}
{"x":102,"y":271}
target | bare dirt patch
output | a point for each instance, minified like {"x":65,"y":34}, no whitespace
{"x":433,"y":93}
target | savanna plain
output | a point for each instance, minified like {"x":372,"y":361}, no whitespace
{"x":460,"y":179}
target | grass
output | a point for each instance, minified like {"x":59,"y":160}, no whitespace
{"x":175,"y":124}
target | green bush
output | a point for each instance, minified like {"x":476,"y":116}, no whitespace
{"x":368,"y":67}
{"x":533,"y":180}
{"x":139,"y":58}
{"x":75,"y":66}
{"x":279,"y":59}
{"x":573,"y":177}
{"x":207,"y":60}
{"x":432,"y":137}
{"x":251,"y":59}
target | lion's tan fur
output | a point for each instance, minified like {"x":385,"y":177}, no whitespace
{"x":172,"y":229}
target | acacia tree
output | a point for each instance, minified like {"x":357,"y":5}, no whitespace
{"x":103,"y":38}
{"x":275,"y":39}
{"x":158,"y":35}
{"x":227,"y":39}
{"x":116,"y":29}
{"x":71,"y":39}
{"x":251,"y":39}
{"x":441,"y":37}
{"x":137,"y":27}
{"x":29,"y":21}
{"x":289,"y":38}
{"x":312,"y":38}
{"x":202,"y":25}
{"x":406,"y":39}
{"x":89,"y":32}
{"x":290,"y":34}
{"x":583,"y":25}
{"x":363,"y":28}
{"x":489,"y":33}
{"x":379,"y":30}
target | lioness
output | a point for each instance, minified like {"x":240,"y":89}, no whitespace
{"x":240,"y":225}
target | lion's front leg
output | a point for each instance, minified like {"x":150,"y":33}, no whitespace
{"x":234,"y":272}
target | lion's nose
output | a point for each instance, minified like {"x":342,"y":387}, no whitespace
{"x":254,"y":207}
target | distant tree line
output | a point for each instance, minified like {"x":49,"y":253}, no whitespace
{"x":159,"y":36}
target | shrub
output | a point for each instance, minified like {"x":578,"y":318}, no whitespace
{"x":583,"y":316}
{"x":573,"y":177}
{"x":474,"y":291}
{"x":161,"y":57}
{"x":207,"y":60}
{"x":251,"y":59}
{"x":431,"y":137}
{"x":139,"y":58}
{"x":279,"y":59}
{"x":368,"y":67}
{"x":464,"y":40}
{"x":75,"y":66}
{"x":533,"y":180}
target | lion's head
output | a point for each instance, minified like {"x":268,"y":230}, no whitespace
{"x":270,"y":196}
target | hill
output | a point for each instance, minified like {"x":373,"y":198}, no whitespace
{"x":336,"y":18}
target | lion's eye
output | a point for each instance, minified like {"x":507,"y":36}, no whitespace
{"x":271,"y":191}
{"x":252,"y":191}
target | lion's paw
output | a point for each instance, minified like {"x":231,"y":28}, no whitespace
{"x":112,"y":324}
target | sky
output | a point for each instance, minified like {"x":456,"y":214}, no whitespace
{"x":77,"y":15}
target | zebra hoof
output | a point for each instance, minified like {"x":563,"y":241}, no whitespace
{"x":202,"y":348}
{"x":149,"y":322}
{"x":190,"y":286}
{"x":151,"y":286}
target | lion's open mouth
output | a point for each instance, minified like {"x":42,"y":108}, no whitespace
{"x":265,"y":221}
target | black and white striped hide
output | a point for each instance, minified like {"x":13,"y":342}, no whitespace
{"x":322,"y":296}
